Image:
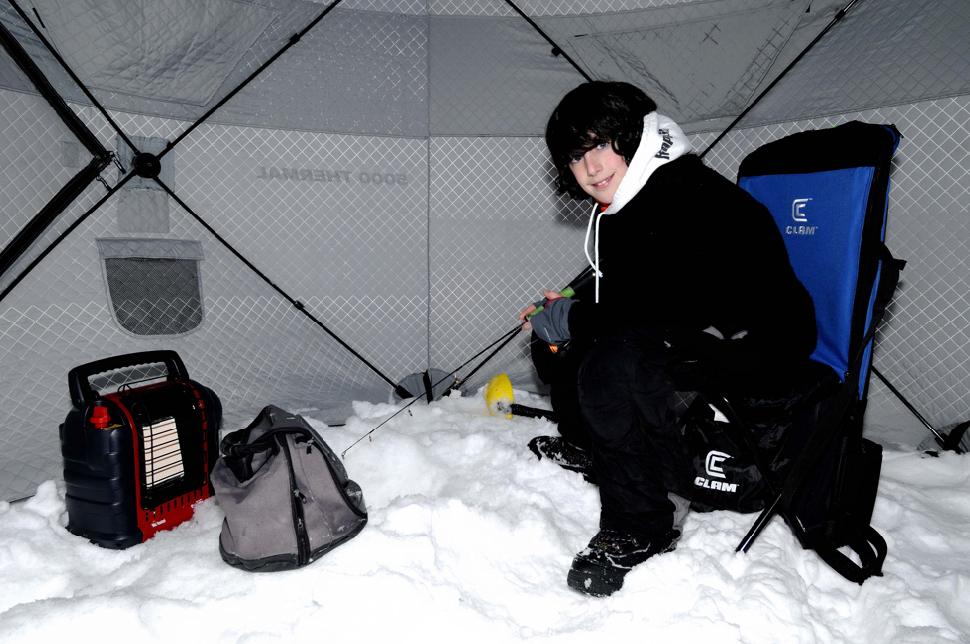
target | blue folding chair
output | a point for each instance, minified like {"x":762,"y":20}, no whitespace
{"x":828,"y":192}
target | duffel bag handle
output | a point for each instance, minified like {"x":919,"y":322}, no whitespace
{"x":230,"y":445}
{"x":238,"y":455}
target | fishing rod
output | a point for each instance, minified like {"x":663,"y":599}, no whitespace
{"x":510,"y":334}
{"x":569,"y":291}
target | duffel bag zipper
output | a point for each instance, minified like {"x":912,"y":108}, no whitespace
{"x":337,"y":481}
{"x":297,"y":499}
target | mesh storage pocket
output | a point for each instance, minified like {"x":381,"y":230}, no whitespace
{"x":153,"y":284}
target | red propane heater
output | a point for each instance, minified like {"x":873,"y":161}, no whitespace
{"x":138,"y":458}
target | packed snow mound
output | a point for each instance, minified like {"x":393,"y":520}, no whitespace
{"x":469,"y":539}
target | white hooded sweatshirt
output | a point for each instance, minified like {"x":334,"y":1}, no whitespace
{"x":662,"y":141}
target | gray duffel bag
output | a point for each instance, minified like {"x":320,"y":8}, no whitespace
{"x":286,"y":495}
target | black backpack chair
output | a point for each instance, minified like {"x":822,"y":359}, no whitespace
{"x":800,"y":453}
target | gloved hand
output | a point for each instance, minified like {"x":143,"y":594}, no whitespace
{"x":551,"y":324}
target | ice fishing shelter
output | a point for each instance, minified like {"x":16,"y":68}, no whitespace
{"x":381,"y":187}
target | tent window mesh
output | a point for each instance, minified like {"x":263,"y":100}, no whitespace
{"x":155,"y":296}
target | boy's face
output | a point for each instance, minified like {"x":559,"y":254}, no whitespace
{"x":599,"y":171}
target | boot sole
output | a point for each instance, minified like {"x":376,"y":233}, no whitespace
{"x":595,"y":580}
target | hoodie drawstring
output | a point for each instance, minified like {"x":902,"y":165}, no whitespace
{"x":594,"y":264}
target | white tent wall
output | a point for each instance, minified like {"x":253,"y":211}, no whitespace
{"x":338,"y":220}
{"x":499,"y":235}
{"x":389,"y":172}
{"x":251,"y":346}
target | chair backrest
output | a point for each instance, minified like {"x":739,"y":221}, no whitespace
{"x":828,"y":192}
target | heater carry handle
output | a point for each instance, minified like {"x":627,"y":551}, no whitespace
{"x":77,"y":378}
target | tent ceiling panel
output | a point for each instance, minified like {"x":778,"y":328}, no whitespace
{"x":500,"y":7}
{"x":413,"y":7}
{"x":698,"y":61}
{"x":541,"y":7}
{"x":355,"y":71}
{"x":178,"y":51}
{"x":493,"y":77}
{"x":364,"y":69}
{"x":11,"y":77}
{"x":883,"y":53}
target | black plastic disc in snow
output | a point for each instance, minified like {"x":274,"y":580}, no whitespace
{"x":147,"y":165}
{"x":415,"y":384}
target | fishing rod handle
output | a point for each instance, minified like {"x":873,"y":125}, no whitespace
{"x":541,"y":304}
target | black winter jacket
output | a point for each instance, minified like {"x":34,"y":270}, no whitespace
{"x":690,"y":251}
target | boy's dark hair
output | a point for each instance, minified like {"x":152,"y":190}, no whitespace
{"x":593,"y":113}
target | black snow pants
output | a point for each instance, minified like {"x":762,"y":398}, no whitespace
{"x":615,"y":397}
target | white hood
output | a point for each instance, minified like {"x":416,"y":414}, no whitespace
{"x":662,"y":141}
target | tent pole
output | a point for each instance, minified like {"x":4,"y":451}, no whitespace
{"x":46,"y":216}
{"x":556,"y":49}
{"x":951,"y":442}
{"x":838,"y":16}
{"x":10,"y":287}
{"x":70,"y":72}
{"x":34,"y":228}
{"x":44,"y":87}
{"x":297,"y":304}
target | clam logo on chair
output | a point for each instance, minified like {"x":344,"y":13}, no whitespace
{"x":714,"y":468}
{"x":800,"y":217}
{"x":713,"y":463}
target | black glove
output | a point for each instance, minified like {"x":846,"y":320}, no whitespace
{"x":551,"y":324}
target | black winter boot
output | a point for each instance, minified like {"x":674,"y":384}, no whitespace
{"x":564,"y":454}
{"x":600,"y":568}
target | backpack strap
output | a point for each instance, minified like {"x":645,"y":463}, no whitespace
{"x":871,"y":549}
{"x":825,"y":430}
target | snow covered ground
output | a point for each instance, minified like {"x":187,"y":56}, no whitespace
{"x":469,"y":540}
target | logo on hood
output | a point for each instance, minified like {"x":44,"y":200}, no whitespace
{"x":666,"y":142}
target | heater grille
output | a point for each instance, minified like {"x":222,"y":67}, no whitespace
{"x":162,"y":453}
